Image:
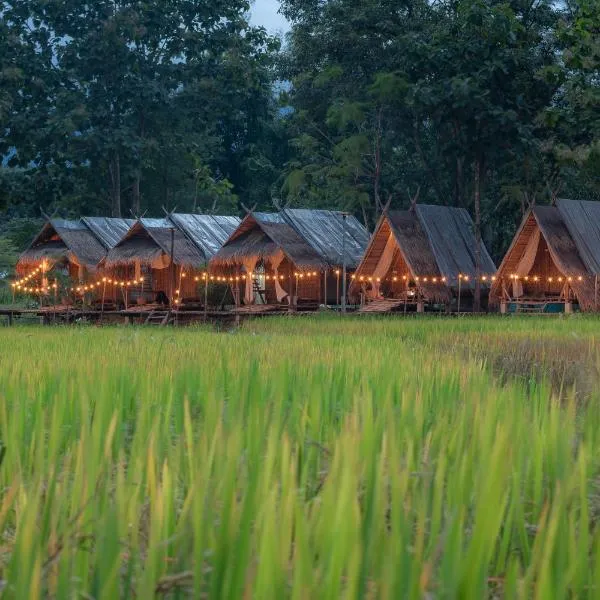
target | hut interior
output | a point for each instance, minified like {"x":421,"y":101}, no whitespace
{"x":544,"y":269}
{"x":422,"y":256}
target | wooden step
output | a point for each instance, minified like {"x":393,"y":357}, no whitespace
{"x":383,"y":305}
{"x":159,"y":317}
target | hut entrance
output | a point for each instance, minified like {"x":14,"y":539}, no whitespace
{"x":260,"y":284}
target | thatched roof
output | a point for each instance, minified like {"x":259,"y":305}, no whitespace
{"x":324,"y":231}
{"x":110,"y":231}
{"x":562,"y":246}
{"x":261,"y":236}
{"x":208,"y":232}
{"x":433,"y":242}
{"x":451,"y":235}
{"x":149,"y":239}
{"x":64,"y":240}
{"x":582,"y":219}
{"x":311,"y":239}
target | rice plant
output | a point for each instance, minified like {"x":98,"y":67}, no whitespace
{"x":296,"y":458}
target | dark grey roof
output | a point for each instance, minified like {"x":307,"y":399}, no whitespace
{"x":150,"y":223}
{"x":208,"y":232}
{"x":582,"y":219}
{"x":310,"y":238}
{"x":110,"y":231}
{"x":78,"y":242}
{"x":262,"y":236}
{"x":451,"y":235}
{"x":323,"y":230}
{"x":148,"y":238}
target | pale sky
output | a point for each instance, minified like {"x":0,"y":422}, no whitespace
{"x":264,"y":12}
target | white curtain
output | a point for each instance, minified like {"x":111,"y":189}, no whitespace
{"x":249,"y":265}
{"x":526,"y":263}
{"x":279,"y":291}
{"x":383,"y":266}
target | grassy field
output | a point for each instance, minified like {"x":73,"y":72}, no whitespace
{"x":303,"y":458}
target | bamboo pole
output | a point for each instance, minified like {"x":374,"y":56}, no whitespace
{"x":205,"y":296}
{"x":344,"y":274}
{"x":103,"y":300}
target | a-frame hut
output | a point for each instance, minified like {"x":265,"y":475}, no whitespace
{"x":161,"y":258}
{"x":421,"y":257}
{"x":553,"y":263}
{"x":295,"y":256}
{"x":72,"y":247}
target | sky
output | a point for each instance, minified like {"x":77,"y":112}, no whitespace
{"x":264,"y":12}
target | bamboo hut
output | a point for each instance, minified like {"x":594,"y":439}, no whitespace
{"x":553,"y":262}
{"x":421,"y":257}
{"x":293,"y":257}
{"x":73,"y":248}
{"x":160,"y":259}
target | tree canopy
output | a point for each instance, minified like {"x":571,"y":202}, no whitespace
{"x":126,"y":106}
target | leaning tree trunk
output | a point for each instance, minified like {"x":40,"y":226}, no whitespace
{"x":477,"y":190}
{"x":114,"y":171}
{"x":136,"y":204}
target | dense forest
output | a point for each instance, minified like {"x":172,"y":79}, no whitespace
{"x":124,"y":107}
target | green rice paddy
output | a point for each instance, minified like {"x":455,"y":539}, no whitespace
{"x":302,"y":458}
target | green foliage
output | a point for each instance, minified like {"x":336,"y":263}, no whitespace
{"x":109,"y":105}
{"x":572,"y":119}
{"x":444,"y":97}
{"x":8,"y":256}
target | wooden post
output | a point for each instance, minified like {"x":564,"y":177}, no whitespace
{"x":325,"y":287}
{"x":296,"y":294}
{"x":459,"y":292}
{"x":337,"y":275}
{"x":103,"y":299}
{"x":596,"y":293}
{"x":344,"y":274}
{"x":420,"y":305}
{"x":173,"y":272}
{"x":205,"y":296}
{"x":290,"y":288}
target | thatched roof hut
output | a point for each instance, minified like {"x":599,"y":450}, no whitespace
{"x":555,"y":254}
{"x":82,"y":242}
{"x":428,"y":248}
{"x":295,"y":253}
{"x":145,"y":252}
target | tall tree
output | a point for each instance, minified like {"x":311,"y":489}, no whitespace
{"x":125,"y":91}
{"x":573,"y":117}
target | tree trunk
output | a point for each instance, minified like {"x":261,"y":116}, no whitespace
{"x":377,"y":171}
{"x":477,"y":191}
{"x":137,"y":205}
{"x":459,"y":183}
{"x":114,"y":170}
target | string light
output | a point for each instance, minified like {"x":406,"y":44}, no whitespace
{"x":537,"y":278}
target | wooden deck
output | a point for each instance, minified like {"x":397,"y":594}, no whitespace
{"x":384,"y":305}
